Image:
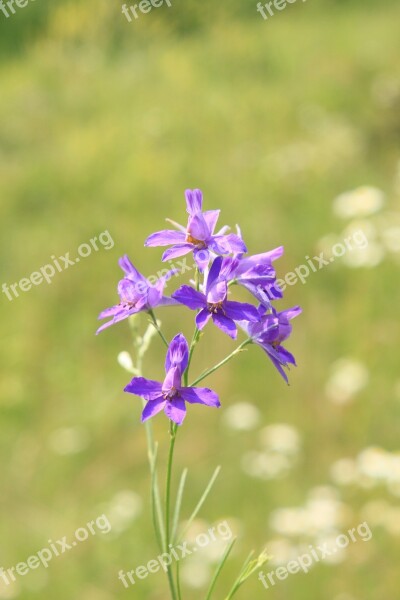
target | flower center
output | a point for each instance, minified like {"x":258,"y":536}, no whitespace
{"x":171,"y":394}
{"x":277,"y":342}
{"x":192,"y":240}
{"x":127,"y":303}
{"x":214,"y":308}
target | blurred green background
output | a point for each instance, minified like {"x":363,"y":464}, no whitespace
{"x":104,"y":123}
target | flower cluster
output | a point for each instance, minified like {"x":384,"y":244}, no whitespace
{"x":222,"y":261}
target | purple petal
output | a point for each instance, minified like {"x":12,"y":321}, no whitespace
{"x":198,"y":228}
{"x":225,"y":324}
{"x":130,"y":291}
{"x":285,"y":356}
{"x":217,"y":293}
{"x":211,"y":218}
{"x":172,"y":379}
{"x":241,"y":311}
{"x":194,"y":201}
{"x":176,"y":411}
{"x":165,"y":238}
{"x":110,"y":312}
{"x":202,"y":258}
{"x":261,"y":259}
{"x":274,"y":291}
{"x":152,"y":408}
{"x":216,"y":245}
{"x":166,"y":301}
{"x":280,"y":354}
{"x":190,"y":297}
{"x":202,"y":318}
{"x":200,"y":396}
{"x":267,"y":328}
{"x":291,"y":313}
{"x":122,"y":314}
{"x":229,"y":268}
{"x":235,"y":243}
{"x":177,"y":250}
{"x":227,"y":244}
{"x":154,"y":296}
{"x":257,"y":291}
{"x":130,"y":270}
{"x":214,"y":273}
{"x":258,"y":274}
{"x":146,"y":388}
{"x":177,"y":353}
{"x":279,"y":367}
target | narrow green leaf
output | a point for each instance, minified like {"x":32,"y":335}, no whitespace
{"x":200,"y":502}
{"x":178,"y":505}
{"x":158,"y":519}
{"x":178,"y":582}
{"x":220,"y":567}
{"x":249,"y":567}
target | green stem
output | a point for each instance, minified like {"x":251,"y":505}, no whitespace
{"x":154,"y":322}
{"x":197,"y":278}
{"x":173,"y":429}
{"x":156,"y":510}
{"x":222,"y":363}
{"x":178,"y":582}
{"x":195,"y":339}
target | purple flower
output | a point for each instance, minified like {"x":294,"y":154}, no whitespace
{"x":255,"y":273}
{"x":198,"y":235}
{"x":136,"y":294}
{"x":214,"y":303}
{"x":169,"y":395}
{"x":269,"y":333}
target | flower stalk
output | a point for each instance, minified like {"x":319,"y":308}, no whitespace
{"x":221,"y":264}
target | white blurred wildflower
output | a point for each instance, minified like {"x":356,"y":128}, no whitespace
{"x":265,"y":465}
{"x":281,"y":551}
{"x":281,"y":438}
{"x":360,"y":202}
{"x":241,"y":416}
{"x":292,"y":522}
{"x":337,"y":554}
{"x":376,"y":463}
{"x":391,"y":238}
{"x":365,"y":249}
{"x":8,"y":592}
{"x":322,"y":514}
{"x":344,"y":471}
{"x":348,"y":377}
{"x":195,"y":573}
{"x":124,"y":507}
{"x":370,"y":256}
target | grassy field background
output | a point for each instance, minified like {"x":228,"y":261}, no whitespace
{"x":103,"y":126}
